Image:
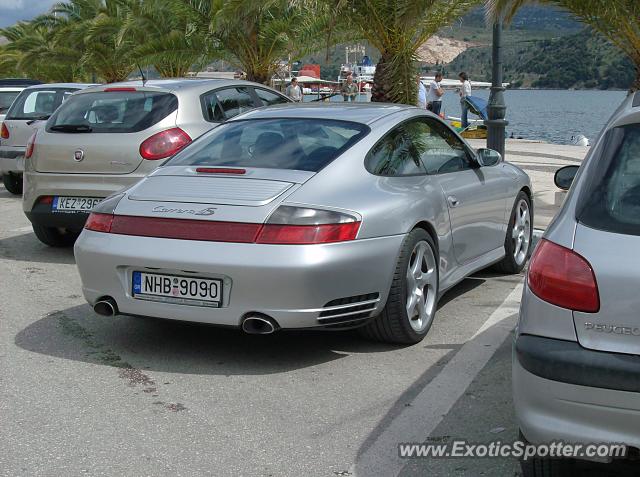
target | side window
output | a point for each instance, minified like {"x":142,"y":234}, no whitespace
{"x":396,"y":154}
{"x":235,"y":101}
{"x":211,"y":109}
{"x":441,"y":150}
{"x":268,"y":97}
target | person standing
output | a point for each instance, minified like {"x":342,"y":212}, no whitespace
{"x":464,"y":91}
{"x":434,"y":96}
{"x":349,"y":89}
{"x":422,"y":94}
{"x":294,"y":91}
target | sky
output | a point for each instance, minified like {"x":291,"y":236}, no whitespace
{"x":13,"y":10}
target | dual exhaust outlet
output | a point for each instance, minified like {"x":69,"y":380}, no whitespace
{"x":252,"y":324}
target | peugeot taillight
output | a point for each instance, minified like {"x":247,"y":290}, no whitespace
{"x":560,"y":276}
{"x":4,"y":131}
{"x":31,"y":144}
{"x":164,"y":144}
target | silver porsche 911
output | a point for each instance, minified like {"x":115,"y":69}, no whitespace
{"x":299,"y":216}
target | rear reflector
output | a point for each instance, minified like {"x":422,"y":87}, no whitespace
{"x":164,"y":144}
{"x":220,"y":170}
{"x":119,"y":88}
{"x":4,"y":131}
{"x":560,"y":276}
{"x":239,"y":232}
{"x":308,"y":234}
{"x":46,"y":199}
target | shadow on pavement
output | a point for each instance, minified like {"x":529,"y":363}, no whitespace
{"x":179,"y":347}
{"x":27,"y":248}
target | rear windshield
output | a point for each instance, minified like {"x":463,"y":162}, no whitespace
{"x":38,"y":104}
{"x":6,"y":98}
{"x":112,"y":112}
{"x":300,"y":144}
{"x":611,"y":199}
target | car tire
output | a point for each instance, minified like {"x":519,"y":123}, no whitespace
{"x":12,"y":183}
{"x":54,"y":237}
{"x":394,"y":324}
{"x":517,"y":243}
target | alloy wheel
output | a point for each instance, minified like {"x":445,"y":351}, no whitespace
{"x":422,"y":287}
{"x":521,"y":233}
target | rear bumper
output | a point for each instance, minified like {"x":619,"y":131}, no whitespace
{"x":292,"y":284}
{"x":564,"y":392}
{"x":12,"y":159}
{"x":43,"y":215}
{"x":38,"y":184}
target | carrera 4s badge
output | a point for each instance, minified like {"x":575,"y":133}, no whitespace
{"x":166,"y":210}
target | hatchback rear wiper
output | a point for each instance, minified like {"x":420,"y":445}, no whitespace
{"x":37,"y":118}
{"x":80,"y":128}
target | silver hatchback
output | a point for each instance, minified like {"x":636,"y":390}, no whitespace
{"x":33,"y":104}
{"x":108,"y":137}
{"x":576,"y":365}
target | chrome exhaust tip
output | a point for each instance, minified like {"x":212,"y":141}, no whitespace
{"x":106,"y":307}
{"x":259,"y":325}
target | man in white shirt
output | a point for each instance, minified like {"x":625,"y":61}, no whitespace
{"x":294,"y":91}
{"x":464,"y":92}
{"x":434,"y":97}
{"x":422,"y":94}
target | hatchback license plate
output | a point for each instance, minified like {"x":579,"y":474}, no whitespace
{"x":177,"y":289}
{"x":74,"y":204}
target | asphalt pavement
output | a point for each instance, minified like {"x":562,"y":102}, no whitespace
{"x":82,"y":394}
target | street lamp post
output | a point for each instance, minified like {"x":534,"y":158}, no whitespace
{"x":496,"y":110}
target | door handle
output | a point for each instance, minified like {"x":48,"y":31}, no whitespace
{"x":453,"y":201}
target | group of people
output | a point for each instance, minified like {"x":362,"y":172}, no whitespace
{"x":431,"y":99}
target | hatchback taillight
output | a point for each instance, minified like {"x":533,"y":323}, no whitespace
{"x":31,"y":144}
{"x":4,"y":131}
{"x":164,"y":144}
{"x":564,"y":278}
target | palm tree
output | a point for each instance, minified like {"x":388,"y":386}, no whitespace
{"x":165,"y":36}
{"x":256,"y":36}
{"x":34,"y":51}
{"x":94,"y":26}
{"x":397,"y":28}
{"x":616,"y":20}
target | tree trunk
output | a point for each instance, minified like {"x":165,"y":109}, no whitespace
{"x":395,"y":79}
{"x":258,"y":77}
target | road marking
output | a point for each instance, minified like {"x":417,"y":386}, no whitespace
{"x":416,"y":422}
{"x":28,"y":228}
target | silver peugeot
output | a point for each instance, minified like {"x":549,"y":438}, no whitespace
{"x":298,"y":216}
{"x":576,"y":365}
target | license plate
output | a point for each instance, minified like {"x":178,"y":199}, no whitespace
{"x":74,"y":204}
{"x":177,"y":289}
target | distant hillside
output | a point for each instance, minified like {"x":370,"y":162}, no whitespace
{"x":581,"y":60}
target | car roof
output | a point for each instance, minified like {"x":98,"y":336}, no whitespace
{"x":365,"y":113}
{"x":178,"y":84}
{"x":61,"y":85}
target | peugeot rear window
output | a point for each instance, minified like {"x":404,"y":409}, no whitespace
{"x":300,"y":144}
{"x":611,"y":198}
{"x":6,"y":98}
{"x":39,"y":103}
{"x":112,"y":112}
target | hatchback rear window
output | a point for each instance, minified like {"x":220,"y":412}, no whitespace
{"x":38,"y":104}
{"x":6,"y":98}
{"x":112,"y":112}
{"x":611,"y":199}
{"x":300,"y":144}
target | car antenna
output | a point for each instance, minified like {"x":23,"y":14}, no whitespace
{"x":144,"y":80}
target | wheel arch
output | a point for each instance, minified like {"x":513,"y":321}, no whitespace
{"x":431,"y":230}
